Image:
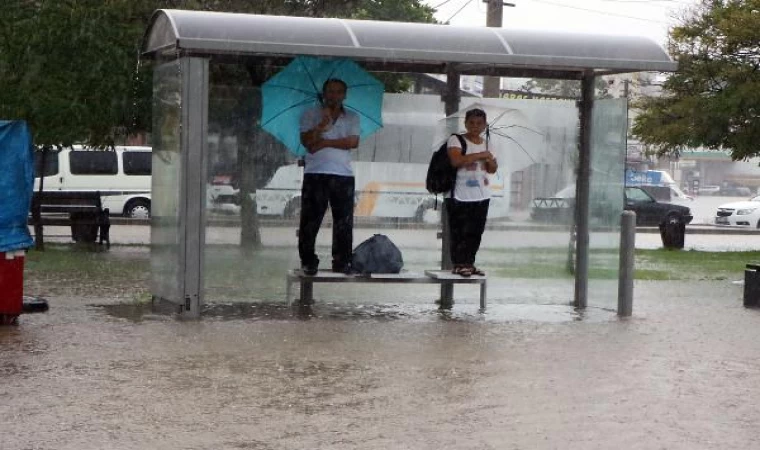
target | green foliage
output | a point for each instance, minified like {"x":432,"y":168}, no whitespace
{"x":70,"y":68}
{"x":393,"y":10}
{"x":713,"y":100}
{"x":563,"y":88}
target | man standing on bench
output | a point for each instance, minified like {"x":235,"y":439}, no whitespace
{"x":329,"y":132}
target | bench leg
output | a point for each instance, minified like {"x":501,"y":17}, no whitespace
{"x":483,"y":295}
{"x":307,"y":292}
{"x":447,"y":295}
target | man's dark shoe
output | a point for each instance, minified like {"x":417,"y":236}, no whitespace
{"x":345,"y":269}
{"x":309,"y":269}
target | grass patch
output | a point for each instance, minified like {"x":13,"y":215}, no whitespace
{"x":661,"y":264}
{"x":124,"y":271}
{"x":80,"y":271}
{"x":695,"y":265}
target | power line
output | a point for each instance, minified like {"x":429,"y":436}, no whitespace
{"x":438,"y":6}
{"x":600,"y":12}
{"x":645,"y":1}
{"x":458,"y":11}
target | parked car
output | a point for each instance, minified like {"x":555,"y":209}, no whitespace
{"x":649,"y":212}
{"x":740,"y":214}
{"x":709,"y":190}
{"x":735,"y":190}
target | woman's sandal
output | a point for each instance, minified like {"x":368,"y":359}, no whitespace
{"x":476,"y":271}
{"x":463,"y":271}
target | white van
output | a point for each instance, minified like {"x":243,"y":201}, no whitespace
{"x":122,"y":176}
{"x":383,"y":190}
{"x":659,"y":184}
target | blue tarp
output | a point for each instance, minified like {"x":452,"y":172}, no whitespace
{"x":16,"y":185}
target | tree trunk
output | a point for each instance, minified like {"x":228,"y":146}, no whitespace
{"x":250,"y":234}
{"x":259,"y":153}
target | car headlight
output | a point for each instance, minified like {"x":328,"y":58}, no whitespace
{"x":744,"y":212}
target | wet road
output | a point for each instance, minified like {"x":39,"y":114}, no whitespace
{"x":426,"y":238}
{"x":389,"y":372}
{"x":684,"y":373}
{"x":701,"y":235}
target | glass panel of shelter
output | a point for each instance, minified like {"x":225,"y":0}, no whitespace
{"x":166,"y":182}
{"x":253,"y":193}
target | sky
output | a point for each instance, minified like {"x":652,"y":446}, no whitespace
{"x":650,"y":18}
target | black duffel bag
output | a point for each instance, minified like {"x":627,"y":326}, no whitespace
{"x":377,"y":255}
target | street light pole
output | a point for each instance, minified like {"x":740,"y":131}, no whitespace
{"x":494,"y":16}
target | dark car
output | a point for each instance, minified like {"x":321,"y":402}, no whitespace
{"x":649,"y":212}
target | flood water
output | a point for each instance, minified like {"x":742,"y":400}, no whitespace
{"x":94,"y":373}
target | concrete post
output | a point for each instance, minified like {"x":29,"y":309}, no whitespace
{"x":627,"y":263}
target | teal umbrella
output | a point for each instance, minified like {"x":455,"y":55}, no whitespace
{"x":298,"y":87}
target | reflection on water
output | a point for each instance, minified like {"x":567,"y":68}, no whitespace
{"x":381,"y":375}
{"x":327,"y":311}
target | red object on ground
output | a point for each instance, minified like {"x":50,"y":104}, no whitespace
{"x":11,"y":286}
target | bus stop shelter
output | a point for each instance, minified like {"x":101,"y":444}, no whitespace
{"x":184,"y":45}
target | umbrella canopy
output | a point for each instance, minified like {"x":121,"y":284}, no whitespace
{"x":298,"y":87}
{"x":511,"y":137}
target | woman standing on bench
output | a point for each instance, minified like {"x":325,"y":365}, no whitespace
{"x":467,"y":206}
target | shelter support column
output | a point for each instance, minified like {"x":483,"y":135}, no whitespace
{"x":193,"y":186}
{"x":451,"y":99}
{"x":582,"y":193}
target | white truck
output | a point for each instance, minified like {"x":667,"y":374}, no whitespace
{"x":383,"y":190}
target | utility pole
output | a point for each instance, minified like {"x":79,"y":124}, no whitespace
{"x":494,"y":16}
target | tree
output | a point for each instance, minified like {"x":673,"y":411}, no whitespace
{"x":68,"y":69}
{"x":713,"y":100}
{"x":563,"y":88}
{"x":71,"y":69}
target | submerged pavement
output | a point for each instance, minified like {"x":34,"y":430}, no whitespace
{"x":94,"y":373}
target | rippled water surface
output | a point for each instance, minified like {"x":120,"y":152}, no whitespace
{"x":98,"y":373}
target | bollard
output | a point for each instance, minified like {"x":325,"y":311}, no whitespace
{"x":672,"y":232}
{"x":627,"y":254}
{"x":752,"y":286}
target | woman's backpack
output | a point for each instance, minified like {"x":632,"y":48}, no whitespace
{"x":441,"y":175}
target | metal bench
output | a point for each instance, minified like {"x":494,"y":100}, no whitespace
{"x":86,"y":214}
{"x":444,"y":277}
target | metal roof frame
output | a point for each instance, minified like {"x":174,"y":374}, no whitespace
{"x":402,"y":47}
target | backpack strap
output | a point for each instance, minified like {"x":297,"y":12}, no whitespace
{"x":463,"y":142}
{"x":464,"y":152}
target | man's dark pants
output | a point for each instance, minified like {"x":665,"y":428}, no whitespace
{"x":317,"y":192}
{"x":467,"y":221}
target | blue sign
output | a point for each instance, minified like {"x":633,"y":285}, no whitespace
{"x":647,"y":178}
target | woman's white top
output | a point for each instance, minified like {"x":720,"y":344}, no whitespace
{"x":472,"y":179}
